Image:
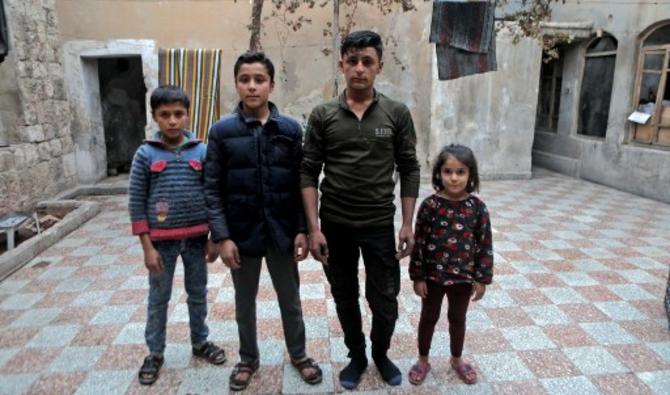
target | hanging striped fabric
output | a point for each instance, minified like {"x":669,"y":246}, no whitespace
{"x":196,"y":71}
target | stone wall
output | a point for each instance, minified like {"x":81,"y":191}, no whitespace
{"x":38,"y":160}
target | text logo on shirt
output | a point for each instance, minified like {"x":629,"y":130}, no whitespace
{"x":383,"y":132}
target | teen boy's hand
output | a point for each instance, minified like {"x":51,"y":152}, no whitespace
{"x":318,"y":246}
{"x":405,"y":242}
{"x":421,"y":289}
{"x":300,"y":247}
{"x":229,"y":253}
{"x":152,"y":260}
{"x":478,"y":290}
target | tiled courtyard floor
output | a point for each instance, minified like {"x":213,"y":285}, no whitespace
{"x":575,"y":308}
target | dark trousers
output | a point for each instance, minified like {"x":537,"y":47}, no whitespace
{"x":284,"y":274}
{"x":382,"y":283}
{"x":458,"y":296}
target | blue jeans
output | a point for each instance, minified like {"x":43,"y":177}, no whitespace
{"x":192,"y":253}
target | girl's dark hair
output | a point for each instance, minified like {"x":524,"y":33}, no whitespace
{"x":464,"y":155}
{"x":168,"y":94}
{"x":255,"y":57}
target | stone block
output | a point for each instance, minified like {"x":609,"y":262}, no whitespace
{"x":6,"y":160}
{"x":67,"y":145}
{"x":40,"y":70}
{"x":56,"y":148}
{"x":49,"y":131}
{"x":29,"y":111}
{"x":19,"y":158}
{"x":52,"y":19}
{"x":69,"y":165}
{"x":25,"y":69}
{"x":44,"y":151}
{"x":31,"y":156}
{"x":33,"y":133}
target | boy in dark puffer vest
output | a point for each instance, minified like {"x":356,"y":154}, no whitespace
{"x":255,"y":211}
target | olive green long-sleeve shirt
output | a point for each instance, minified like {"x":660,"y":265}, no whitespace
{"x":358,"y":158}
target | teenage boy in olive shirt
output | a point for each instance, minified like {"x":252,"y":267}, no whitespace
{"x":358,"y":139}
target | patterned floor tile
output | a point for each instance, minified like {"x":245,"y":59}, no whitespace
{"x":616,"y":384}
{"x":620,"y":311}
{"x":547,"y":315}
{"x":638,"y":357}
{"x":106,"y":382}
{"x":659,"y":382}
{"x":57,"y":383}
{"x":527,"y":338}
{"x":16,"y":383}
{"x":608,"y":333}
{"x":503,"y":367}
{"x":594,"y":360}
{"x":570,"y":385}
{"x":548,"y":363}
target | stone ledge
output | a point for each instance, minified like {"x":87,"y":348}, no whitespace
{"x":78,"y":213}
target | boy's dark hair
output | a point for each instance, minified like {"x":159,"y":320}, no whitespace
{"x":168,"y":94}
{"x":464,"y":155}
{"x":362,"y":39}
{"x":255,"y":57}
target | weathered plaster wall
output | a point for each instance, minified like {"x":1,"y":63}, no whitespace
{"x":612,"y":161}
{"x":39,"y":160}
{"x":492,"y":113}
{"x":304,"y":72}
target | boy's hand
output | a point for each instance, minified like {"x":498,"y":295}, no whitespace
{"x":478,"y":290}
{"x":211,"y":252}
{"x":421,"y":289}
{"x":229,"y":253}
{"x":318,"y":246}
{"x":300,"y":247}
{"x":152,"y":260}
{"x":405,"y":242}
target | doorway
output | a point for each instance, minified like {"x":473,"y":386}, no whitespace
{"x":122,"y":103}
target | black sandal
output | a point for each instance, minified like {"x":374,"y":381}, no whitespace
{"x":211,"y":352}
{"x":150,"y":369}
{"x":242,"y":367}
{"x":308,"y":363}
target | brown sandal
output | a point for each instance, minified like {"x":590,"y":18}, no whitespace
{"x":308,"y":363}
{"x":247,"y":368}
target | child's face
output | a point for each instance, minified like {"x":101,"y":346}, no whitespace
{"x":253,"y":85}
{"x":455,"y":176}
{"x":171,"y":119}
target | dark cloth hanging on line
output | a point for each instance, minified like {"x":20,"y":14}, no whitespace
{"x":4,"y":38}
{"x":464,"y":37}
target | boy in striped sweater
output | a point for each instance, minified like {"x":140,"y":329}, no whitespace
{"x":167,"y":211}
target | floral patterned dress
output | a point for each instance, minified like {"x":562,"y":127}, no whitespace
{"x":453,"y":242}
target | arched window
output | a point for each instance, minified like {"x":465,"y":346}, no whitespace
{"x":594,"y":99}
{"x":652,"y":93}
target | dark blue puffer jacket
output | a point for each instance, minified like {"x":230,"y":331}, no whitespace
{"x":252,"y":182}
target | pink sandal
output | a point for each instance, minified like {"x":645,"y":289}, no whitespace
{"x":464,"y":370}
{"x":417,"y":374}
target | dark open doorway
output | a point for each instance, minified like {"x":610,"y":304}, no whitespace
{"x":122,"y":96}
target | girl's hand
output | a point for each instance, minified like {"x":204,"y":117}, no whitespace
{"x":421,"y":289}
{"x":478,"y":290}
